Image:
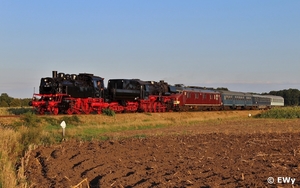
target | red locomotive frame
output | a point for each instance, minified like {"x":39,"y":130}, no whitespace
{"x":52,"y":103}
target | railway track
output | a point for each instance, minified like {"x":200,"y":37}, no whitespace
{"x":9,"y":116}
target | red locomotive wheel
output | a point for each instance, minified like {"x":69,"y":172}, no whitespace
{"x":70,"y":111}
{"x":99,"y":111}
{"x":41,"y":111}
{"x":154,"y":107}
{"x":55,"y":111}
{"x":159,"y":106}
{"x":86,"y":108}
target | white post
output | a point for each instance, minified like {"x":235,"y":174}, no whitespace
{"x":63,"y":125}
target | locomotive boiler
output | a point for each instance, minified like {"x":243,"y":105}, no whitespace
{"x":147,"y":96}
{"x":133,"y":89}
{"x":78,"y":86}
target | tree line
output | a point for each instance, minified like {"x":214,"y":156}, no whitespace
{"x":7,"y":101}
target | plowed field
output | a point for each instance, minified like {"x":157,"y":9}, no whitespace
{"x":229,"y":154}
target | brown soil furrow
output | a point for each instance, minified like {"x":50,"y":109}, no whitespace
{"x":197,"y":160}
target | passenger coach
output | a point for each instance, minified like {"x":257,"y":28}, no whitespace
{"x":236,"y":100}
{"x":276,"y":101}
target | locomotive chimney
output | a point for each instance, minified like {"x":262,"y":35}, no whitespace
{"x":54,"y":74}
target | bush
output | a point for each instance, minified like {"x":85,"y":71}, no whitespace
{"x":281,"y":113}
{"x":108,"y":112}
{"x":30,"y":120}
{"x":19,"y":111}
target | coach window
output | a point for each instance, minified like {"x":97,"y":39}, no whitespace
{"x":196,"y":95}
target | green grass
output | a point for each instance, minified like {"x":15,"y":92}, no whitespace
{"x":281,"y":113}
{"x":81,"y":127}
{"x":139,"y":136}
{"x":97,"y":132}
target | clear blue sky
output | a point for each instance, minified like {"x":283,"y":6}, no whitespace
{"x":240,"y":44}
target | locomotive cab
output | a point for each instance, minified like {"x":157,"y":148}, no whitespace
{"x":98,"y":87}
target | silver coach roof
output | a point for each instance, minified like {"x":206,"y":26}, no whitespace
{"x":234,"y":93}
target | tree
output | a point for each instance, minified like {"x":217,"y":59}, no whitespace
{"x":5,"y":99}
{"x":15,"y":102}
{"x":222,"y":88}
{"x":292,"y":96}
{"x":25,"y":102}
{"x":3,"y":104}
